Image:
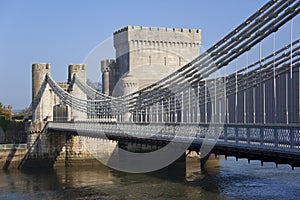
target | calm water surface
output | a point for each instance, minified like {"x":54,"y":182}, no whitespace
{"x":232,"y":180}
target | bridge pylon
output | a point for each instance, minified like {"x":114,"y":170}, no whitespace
{"x":80,"y":71}
{"x":42,"y":111}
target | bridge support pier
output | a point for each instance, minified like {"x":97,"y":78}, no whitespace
{"x":210,"y":163}
{"x":196,"y":166}
{"x":193,"y":165}
{"x":51,"y":150}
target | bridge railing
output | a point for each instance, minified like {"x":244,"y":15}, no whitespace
{"x":280,"y":137}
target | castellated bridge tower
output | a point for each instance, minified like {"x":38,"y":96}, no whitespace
{"x":150,"y":53}
{"x":50,"y":108}
{"x":46,"y":105}
{"x":80,"y":71}
{"x":43,"y":111}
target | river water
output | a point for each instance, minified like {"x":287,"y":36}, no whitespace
{"x":231,"y":180}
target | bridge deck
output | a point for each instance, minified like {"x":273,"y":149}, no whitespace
{"x":273,"y":143}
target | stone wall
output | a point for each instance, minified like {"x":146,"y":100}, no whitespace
{"x":58,"y":149}
{"x":151,"y":53}
{"x":153,"y":45}
{"x":11,"y":155}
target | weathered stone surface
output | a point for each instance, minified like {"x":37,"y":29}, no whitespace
{"x":43,"y":110}
{"x":56,"y":150}
{"x":80,"y":71}
{"x":150,"y":53}
{"x":11,"y":158}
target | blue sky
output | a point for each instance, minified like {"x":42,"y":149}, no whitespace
{"x":63,"y":32}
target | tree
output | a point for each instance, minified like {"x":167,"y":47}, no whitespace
{"x":26,"y":112}
{"x":5,"y":111}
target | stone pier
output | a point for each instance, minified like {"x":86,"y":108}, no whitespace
{"x":52,"y":150}
{"x":196,"y":166}
{"x":11,"y":155}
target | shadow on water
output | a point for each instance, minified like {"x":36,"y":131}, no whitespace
{"x":169,"y":183}
{"x":232,"y":180}
{"x":102,"y":182}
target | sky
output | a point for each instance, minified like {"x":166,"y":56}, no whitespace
{"x":64,"y":32}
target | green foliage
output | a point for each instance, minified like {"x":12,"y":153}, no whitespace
{"x":20,"y":115}
{"x":14,"y":130}
{"x":4,"y":112}
{"x":4,"y":123}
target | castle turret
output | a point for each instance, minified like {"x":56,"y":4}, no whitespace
{"x":39,"y":71}
{"x":42,"y":105}
{"x":127,"y":84}
{"x":42,"y":112}
{"x":109,"y":74}
{"x":80,"y":71}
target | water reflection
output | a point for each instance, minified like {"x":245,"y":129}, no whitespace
{"x":231,"y":180}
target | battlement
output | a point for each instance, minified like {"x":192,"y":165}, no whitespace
{"x":76,"y":67}
{"x":160,"y":29}
{"x":157,"y":36}
{"x":41,"y":66}
{"x":106,"y":63}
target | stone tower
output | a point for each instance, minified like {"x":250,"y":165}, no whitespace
{"x":80,"y":71}
{"x":127,"y":85}
{"x":43,"y":111}
{"x":110,"y":75}
{"x":150,"y":53}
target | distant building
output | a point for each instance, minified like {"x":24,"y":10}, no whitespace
{"x":6,"y":111}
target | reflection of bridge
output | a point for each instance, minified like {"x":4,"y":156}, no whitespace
{"x":252,"y":111}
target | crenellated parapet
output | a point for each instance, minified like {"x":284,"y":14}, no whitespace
{"x":157,"y":36}
{"x":78,"y":69}
{"x":107,"y":65}
{"x":145,"y":33}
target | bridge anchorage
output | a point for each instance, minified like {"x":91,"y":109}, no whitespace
{"x":239,"y":98}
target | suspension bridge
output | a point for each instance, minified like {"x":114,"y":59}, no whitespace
{"x":243,"y":109}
